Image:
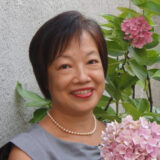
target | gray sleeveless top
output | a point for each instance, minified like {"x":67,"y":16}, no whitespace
{"x":41,"y":145}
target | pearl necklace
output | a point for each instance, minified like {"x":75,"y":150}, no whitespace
{"x":72,"y":132}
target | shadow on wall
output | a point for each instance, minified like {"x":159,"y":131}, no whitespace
{"x":5,"y":150}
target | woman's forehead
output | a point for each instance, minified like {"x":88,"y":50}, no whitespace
{"x":76,"y":39}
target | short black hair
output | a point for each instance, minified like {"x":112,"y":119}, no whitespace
{"x":53,"y":38}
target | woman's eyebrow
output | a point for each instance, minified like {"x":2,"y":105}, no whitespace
{"x":70,"y":57}
{"x":90,"y":53}
{"x":63,"y":56}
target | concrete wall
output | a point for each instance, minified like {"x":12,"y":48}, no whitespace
{"x":19,"y":20}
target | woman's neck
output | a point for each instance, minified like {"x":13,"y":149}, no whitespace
{"x":78,"y":122}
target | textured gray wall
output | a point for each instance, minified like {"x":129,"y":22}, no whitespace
{"x":19,"y":20}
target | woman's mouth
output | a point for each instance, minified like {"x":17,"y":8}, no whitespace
{"x":83,"y":93}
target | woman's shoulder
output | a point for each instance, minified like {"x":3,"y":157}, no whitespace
{"x":17,"y":154}
{"x":27,"y":138}
{"x":28,"y":143}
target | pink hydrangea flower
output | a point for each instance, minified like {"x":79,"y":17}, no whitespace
{"x":131,"y":140}
{"x":137,"y":31}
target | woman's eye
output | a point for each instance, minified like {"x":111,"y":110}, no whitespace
{"x":93,"y":61}
{"x":64,"y":66}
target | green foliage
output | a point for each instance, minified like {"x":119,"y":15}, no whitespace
{"x":155,"y":42}
{"x":130,"y":109}
{"x":115,"y":49}
{"x":127,"y":67}
{"x":152,"y":6}
{"x":128,"y":13}
{"x":109,"y":115}
{"x":38,"y":115}
{"x":144,"y":57}
{"x":154,"y":74}
{"x":34,"y":100}
{"x":139,"y":70}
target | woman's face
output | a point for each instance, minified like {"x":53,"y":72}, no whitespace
{"x":76,"y":78}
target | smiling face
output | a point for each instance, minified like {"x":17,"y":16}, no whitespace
{"x":76,"y":78}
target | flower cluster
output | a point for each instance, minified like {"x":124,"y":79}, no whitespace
{"x":131,"y":140}
{"x":137,"y":31}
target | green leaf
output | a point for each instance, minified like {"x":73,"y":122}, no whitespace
{"x":156,"y":1}
{"x":110,"y":110}
{"x":151,"y":72}
{"x":118,"y":36}
{"x":113,"y":19}
{"x":125,"y":15}
{"x":138,"y":2}
{"x":124,"y":9}
{"x":144,"y":57}
{"x":141,"y":83}
{"x":141,"y":104}
{"x":128,"y":69}
{"x":148,"y":16}
{"x":39,"y":103}
{"x":103,"y":101}
{"x":120,"y":85}
{"x":126,"y":81}
{"x":112,"y":87}
{"x":150,"y":114}
{"x":130,"y":109}
{"x":107,"y":33}
{"x":128,"y":12}
{"x":27,"y":94}
{"x":109,"y":17}
{"x":139,"y":71}
{"x":114,"y":49}
{"x":126,"y":93}
{"x":35,"y":99}
{"x":151,"y":6}
{"x":154,"y":43}
{"x":121,"y":42}
{"x":113,"y":91}
{"x":108,"y":115}
{"x":112,"y":65}
{"x":158,"y":59}
{"x":109,"y":25}
{"x":156,"y":117}
{"x":38,"y":115}
{"x":156,"y":75}
{"x":99,"y":110}
{"x":156,"y":110}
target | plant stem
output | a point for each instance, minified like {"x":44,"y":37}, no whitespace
{"x":125,"y":60}
{"x":117,"y":108}
{"x":150,"y":93}
{"x":147,"y":92}
{"x":110,"y":100}
{"x":133,"y":94}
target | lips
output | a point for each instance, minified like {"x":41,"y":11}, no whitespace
{"x":83,"y":92}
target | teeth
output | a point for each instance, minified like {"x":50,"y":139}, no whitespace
{"x":82,"y":92}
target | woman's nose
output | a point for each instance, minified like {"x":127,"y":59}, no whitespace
{"x":81,"y":75}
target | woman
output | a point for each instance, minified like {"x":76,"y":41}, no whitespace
{"x":69,"y":58}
